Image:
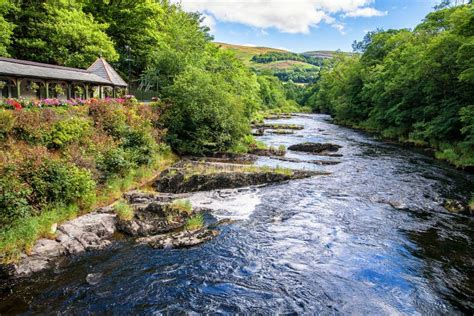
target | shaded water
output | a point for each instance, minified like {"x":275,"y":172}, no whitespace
{"x":370,"y":238}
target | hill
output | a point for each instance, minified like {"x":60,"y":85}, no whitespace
{"x":245,"y":53}
{"x":285,"y":69}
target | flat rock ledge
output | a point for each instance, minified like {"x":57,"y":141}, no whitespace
{"x":178,"y":181}
{"x":89,"y":232}
{"x":316,"y":148}
{"x":183,"y":239}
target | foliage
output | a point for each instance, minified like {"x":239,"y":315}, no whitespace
{"x":14,"y":195}
{"x":59,"y":32}
{"x":59,"y":182}
{"x":269,"y":57}
{"x":411,"y":85}
{"x":195,"y":222}
{"x":123,"y":210}
{"x":205,"y":116}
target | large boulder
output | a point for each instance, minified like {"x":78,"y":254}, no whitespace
{"x":152,"y":219}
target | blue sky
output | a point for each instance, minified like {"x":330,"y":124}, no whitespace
{"x":303,"y":25}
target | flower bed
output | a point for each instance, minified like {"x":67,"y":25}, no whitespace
{"x":22,"y":103}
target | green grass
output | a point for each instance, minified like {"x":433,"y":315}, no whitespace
{"x":181,"y":205}
{"x":195,"y":222}
{"x":123,"y":210}
{"x":21,"y":236}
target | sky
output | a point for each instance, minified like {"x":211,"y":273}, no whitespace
{"x":305,"y":25}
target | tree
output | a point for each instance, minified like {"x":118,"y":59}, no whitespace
{"x":60,"y":33}
{"x":7,"y":27}
{"x":204,"y":116}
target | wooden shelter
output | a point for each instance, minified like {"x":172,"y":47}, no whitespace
{"x":21,"y":78}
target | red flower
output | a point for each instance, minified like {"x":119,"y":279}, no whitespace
{"x":15,"y":104}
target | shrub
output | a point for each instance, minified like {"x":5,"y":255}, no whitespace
{"x":14,"y":196}
{"x":68,"y":131}
{"x":114,"y":162}
{"x":59,"y":182}
{"x":195,"y":222}
{"x":7,"y":121}
{"x":124,"y":211}
{"x":140,"y":144}
{"x":111,"y":118}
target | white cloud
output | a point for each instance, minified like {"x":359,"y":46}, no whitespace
{"x":290,"y":16}
{"x":365,"y":12}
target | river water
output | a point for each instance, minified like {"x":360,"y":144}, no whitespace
{"x":371,"y":238}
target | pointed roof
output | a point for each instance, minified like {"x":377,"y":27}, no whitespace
{"x":103,"y":69}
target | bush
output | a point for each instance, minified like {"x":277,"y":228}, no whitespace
{"x":7,"y":121}
{"x":140,"y":145}
{"x":14,"y":196}
{"x":114,"y":162}
{"x":195,"y":222}
{"x":59,"y":182}
{"x":65,"y":132}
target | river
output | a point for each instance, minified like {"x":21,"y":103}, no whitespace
{"x":371,"y":238}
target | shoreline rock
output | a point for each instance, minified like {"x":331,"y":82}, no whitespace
{"x":180,"y":180}
{"x":316,"y":148}
{"x":183,"y":239}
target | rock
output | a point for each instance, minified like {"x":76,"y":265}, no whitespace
{"x":318,"y":148}
{"x":316,"y":162}
{"x":277,"y":116}
{"x":93,"y":278}
{"x":87,"y":232}
{"x":258,"y":132}
{"x":183,"y":239}
{"x":282,"y":132}
{"x":179,"y":183}
{"x":152,"y":219}
{"x":44,"y":251}
{"x":278,"y":126}
{"x":267,"y":152}
{"x":225,"y":158}
{"x":455,"y":206}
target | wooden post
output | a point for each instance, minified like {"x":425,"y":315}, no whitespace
{"x":46,"y":86}
{"x":100,"y":92}
{"x":18,"y":88}
{"x":113,"y":92}
{"x":68,"y":93}
{"x":9,"y":89}
{"x":86,"y":86}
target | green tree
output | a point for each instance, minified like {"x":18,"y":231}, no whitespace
{"x":60,"y":33}
{"x":204,"y":117}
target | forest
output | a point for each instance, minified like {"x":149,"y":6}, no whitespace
{"x":269,"y":57}
{"x":414,"y":86}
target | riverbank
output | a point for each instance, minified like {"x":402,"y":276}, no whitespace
{"x":445,"y":152}
{"x":161,"y":220}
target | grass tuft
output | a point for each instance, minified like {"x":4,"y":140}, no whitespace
{"x":124,"y":211}
{"x":195,"y":222}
